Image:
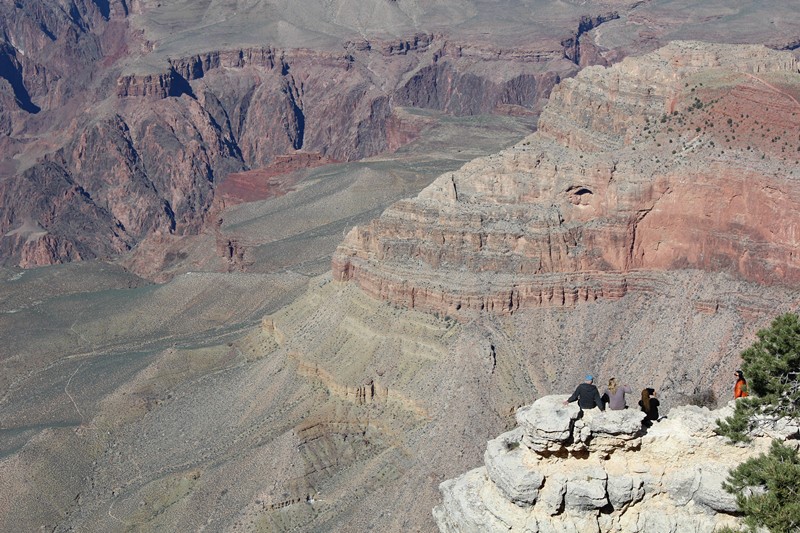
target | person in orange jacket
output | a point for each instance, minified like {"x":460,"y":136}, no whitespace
{"x":740,"y":388}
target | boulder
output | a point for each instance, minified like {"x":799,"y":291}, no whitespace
{"x":551,"y":497}
{"x":624,"y":490}
{"x":586,"y":489}
{"x":548,"y":423}
{"x":462,"y":510}
{"x":710,"y":492}
{"x":509,"y":466}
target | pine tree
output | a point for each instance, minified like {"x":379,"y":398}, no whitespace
{"x":767,"y":489}
{"x":772,"y":368}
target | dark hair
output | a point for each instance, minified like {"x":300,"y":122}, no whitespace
{"x":740,"y":375}
{"x":646,"y":399}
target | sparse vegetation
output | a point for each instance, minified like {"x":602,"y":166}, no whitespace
{"x":766,"y":487}
{"x":700,"y":398}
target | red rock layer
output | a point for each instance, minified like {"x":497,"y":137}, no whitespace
{"x":268,"y":182}
{"x":662,"y":162}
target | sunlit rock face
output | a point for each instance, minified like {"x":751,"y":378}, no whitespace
{"x":112,"y":134}
{"x":679,"y":159}
{"x":563,"y":469}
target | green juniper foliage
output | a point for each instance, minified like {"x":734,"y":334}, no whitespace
{"x":767,"y":489}
{"x":772,"y":368}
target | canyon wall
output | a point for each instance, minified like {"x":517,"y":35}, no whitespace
{"x":147,"y":147}
{"x":686,"y":158}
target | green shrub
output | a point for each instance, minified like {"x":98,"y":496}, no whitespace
{"x":767,"y":489}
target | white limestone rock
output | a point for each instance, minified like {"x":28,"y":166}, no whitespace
{"x":462,"y":509}
{"x":586,"y":490}
{"x":776,"y":428}
{"x":551,"y":497}
{"x":624,"y":490}
{"x":563,"y":470}
{"x":710,"y":492}
{"x":548,"y":423}
{"x":511,"y":467}
{"x":610,"y":431}
{"x":696,"y":421}
{"x":566,"y":523}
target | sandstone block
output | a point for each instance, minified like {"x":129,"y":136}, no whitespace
{"x":586,"y":490}
{"x":566,"y":523}
{"x":510,"y":469}
{"x":551,"y":496}
{"x":710,"y":492}
{"x":548,"y":424}
{"x":682,"y":485}
{"x":624,"y":490}
{"x":624,"y":423}
{"x":462,"y":510}
{"x":696,"y":421}
{"x":503,"y":509}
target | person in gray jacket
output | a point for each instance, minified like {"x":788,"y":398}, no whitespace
{"x":587,"y":395}
{"x":616,"y":395}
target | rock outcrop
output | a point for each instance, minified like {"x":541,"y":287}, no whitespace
{"x":563,"y":469}
{"x":679,"y":159}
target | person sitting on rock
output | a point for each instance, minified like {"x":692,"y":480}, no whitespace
{"x":587,"y":395}
{"x":616,"y":395}
{"x":649,"y":404}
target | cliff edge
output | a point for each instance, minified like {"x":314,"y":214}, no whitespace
{"x":563,"y":469}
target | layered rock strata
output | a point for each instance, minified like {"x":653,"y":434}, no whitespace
{"x":151,"y":158}
{"x":677,"y":159}
{"x":563,"y":469}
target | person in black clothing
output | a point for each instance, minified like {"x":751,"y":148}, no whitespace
{"x":587,"y":395}
{"x":649,"y":405}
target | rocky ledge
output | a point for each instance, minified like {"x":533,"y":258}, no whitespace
{"x":563,"y":469}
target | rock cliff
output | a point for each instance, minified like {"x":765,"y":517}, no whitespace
{"x":563,"y":469}
{"x":229,"y":88}
{"x":149,"y":141}
{"x":678,"y":159}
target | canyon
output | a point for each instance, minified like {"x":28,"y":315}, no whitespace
{"x":621,"y":178}
{"x":297,"y":278}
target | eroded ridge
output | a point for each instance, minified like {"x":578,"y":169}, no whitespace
{"x":677,"y":159}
